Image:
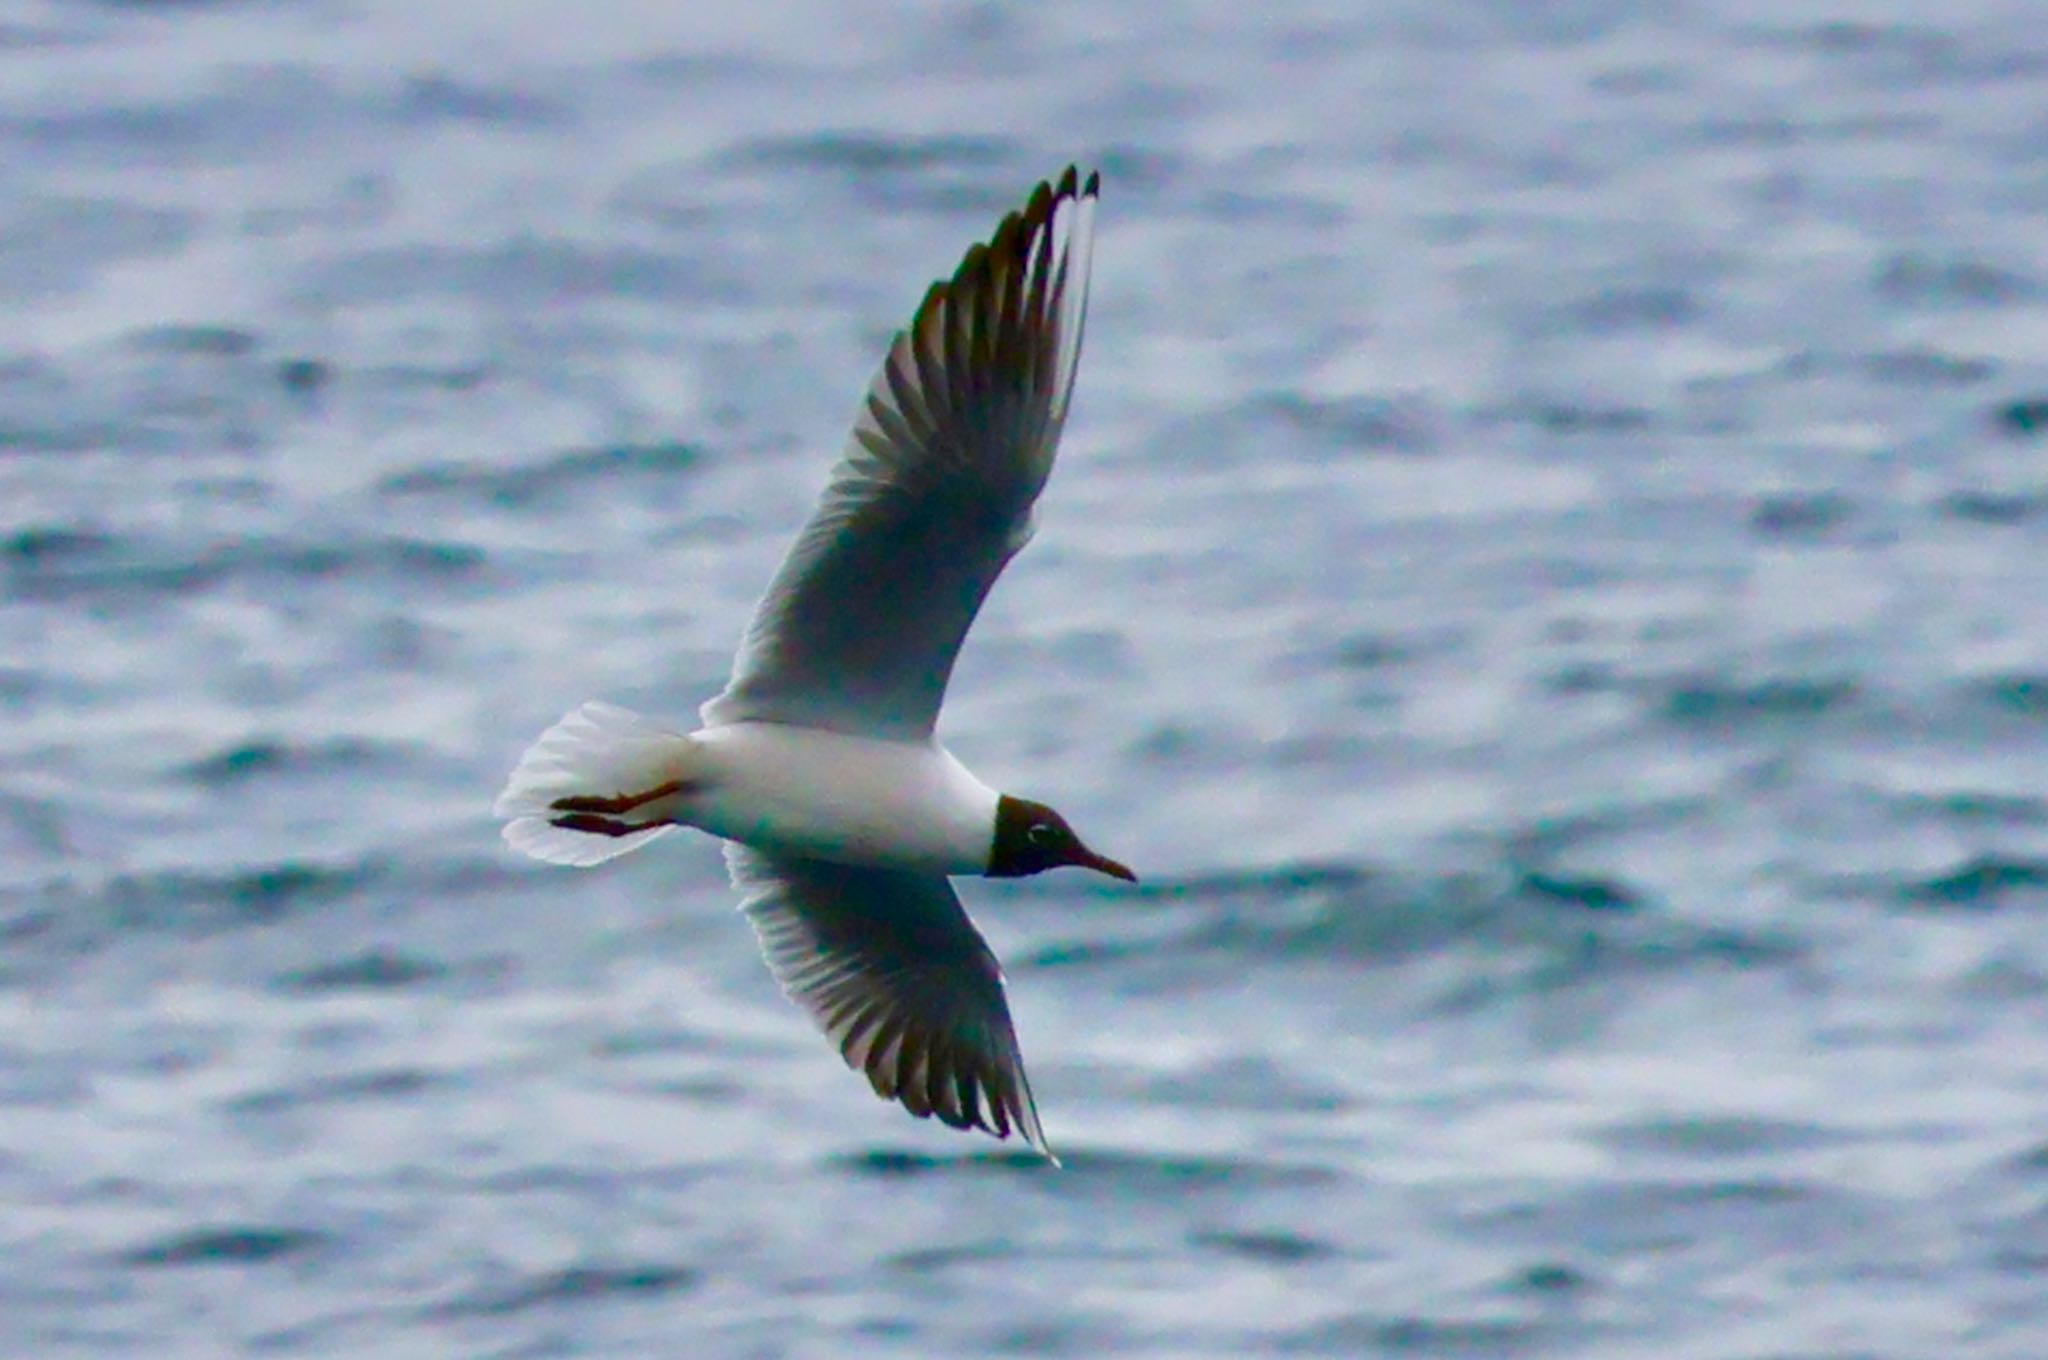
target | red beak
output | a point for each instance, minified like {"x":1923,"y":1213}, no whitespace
{"x":1102,"y":864}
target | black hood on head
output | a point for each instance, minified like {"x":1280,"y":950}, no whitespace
{"x":1031,"y":838}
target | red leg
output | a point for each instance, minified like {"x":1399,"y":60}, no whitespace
{"x":595,"y":825}
{"x":613,"y":806}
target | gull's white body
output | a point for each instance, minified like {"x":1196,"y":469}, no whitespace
{"x":819,"y":765}
{"x":901,"y":805}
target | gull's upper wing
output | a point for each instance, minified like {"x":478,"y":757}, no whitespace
{"x":859,"y":629}
{"x":892,"y":970}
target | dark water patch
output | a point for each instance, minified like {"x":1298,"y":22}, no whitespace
{"x":440,"y":98}
{"x":1631,"y":79}
{"x":1544,"y":839}
{"x":576,"y":469}
{"x":719,"y":1092}
{"x":1140,"y":169}
{"x":1245,"y":886}
{"x":1712,"y":1137}
{"x":1560,"y":958}
{"x":2014,"y":1236}
{"x":265,"y":891}
{"x":894,"y":1164}
{"x":261,"y":110}
{"x":597,"y":1180}
{"x":574,"y":1286}
{"x":457,"y":378}
{"x":1563,"y":417}
{"x":1137,"y":1172}
{"x":929,"y":1260}
{"x":1711,"y":704}
{"x":522,"y":270}
{"x":1085,"y":952}
{"x":667,"y":195}
{"x":304,"y":376}
{"x":47,"y":545}
{"x":25,"y":37}
{"x":1985,"y":882}
{"x":1927,"y":368}
{"x":1370,"y":424}
{"x":240,"y":1245}
{"x":1092,"y":1337}
{"x":1550,"y":1279}
{"x":1625,"y":309}
{"x":2004,"y":978}
{"x":371,"y":970}
{"x":72,"y":436}
{"x":53,"y":246}
{"x":31,"y":1080}
{"x":1173,"y":742}
{"x":1997,"y":809}
{"x":1305,"y":911}
{"x":870,"y":153}
{"x":1276,"y":1248}
{"x":2022,"y":694}
{"x":34,"y":824}
{"x":242,"y":489}
{"x":1800,"y":517}
{"x":1451,"y":1338}
{"x":191,"y":901}
{"x":1163,"y":1174}
{"x":27,"y":927}
{"x":18,"y":685}
{"x":2023,"y":418}
{"x":1522,"y":931}
{"x":131,"y":567}
{"x":1377,"y":650}
{"x":1994,"y":507}
{"x":1844,"y":37}
{"x":249,"y":761}
{"x":1624,"y":1218}
{"x":644,"y":1039}
{"x":207,"y":342}
{"x":1585,"y":894}
{"x":1241,"y":210}
{"x":1918,"y":280}
{"x":394,"y":1083}
{"x":1775,"y":132}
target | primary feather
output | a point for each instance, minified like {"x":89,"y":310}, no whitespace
{"x":934,"y":493}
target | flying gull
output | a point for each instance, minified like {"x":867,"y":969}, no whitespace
{"x":843,"y":814}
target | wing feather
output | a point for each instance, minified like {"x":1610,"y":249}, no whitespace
{"x":894,"y":973}
{"x":934,"y":493}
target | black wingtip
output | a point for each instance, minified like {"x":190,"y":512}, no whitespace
{"x":1071,"y":185}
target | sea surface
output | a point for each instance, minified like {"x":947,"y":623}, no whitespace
{"x":1547,"y":581}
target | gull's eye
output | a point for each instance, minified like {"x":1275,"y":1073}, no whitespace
{"x":1042,"y":834}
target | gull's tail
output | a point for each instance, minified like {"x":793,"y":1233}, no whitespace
{"x":600,"y":782}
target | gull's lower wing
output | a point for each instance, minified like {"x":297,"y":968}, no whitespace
{"x":899,"y":979}
{"x":860,"y":627}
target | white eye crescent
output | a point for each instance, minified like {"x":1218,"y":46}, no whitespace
{"x":1042,"y":833}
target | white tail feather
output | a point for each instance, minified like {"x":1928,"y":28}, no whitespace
{"x":602,"y":751}
{"x":578,"y":849}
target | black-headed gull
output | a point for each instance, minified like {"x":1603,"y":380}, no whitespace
{"x":842,"y":812}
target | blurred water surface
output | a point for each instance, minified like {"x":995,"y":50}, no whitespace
{"x":1546,"y":580}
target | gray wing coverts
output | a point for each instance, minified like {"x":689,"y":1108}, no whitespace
{"x":892,"y":970}
{"x":933,"y":495}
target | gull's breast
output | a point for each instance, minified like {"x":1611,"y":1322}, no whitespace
{"x":854,"y":800}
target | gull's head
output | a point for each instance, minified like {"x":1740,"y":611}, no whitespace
{"x":1031,"y":838}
